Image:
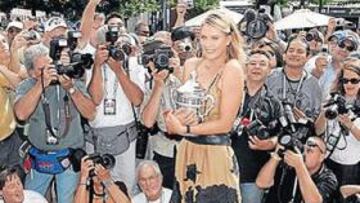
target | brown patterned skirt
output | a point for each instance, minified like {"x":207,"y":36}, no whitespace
{"x":206,"y":172}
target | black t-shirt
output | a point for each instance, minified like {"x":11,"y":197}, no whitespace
{"x":324,"y":180}
{"x":250,"y":161}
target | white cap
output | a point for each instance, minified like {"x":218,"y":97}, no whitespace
{"x":16,"y":24}
{"x":53,"y":23}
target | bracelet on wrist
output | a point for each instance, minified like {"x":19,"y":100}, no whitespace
{"x":275,"y":156}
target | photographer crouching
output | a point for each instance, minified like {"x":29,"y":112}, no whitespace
{"x":255,"y":130}
{"x":313,"y":182}
{"x":51,"y":102}
{"x":96,"y":184}
{"x":340,"y":123}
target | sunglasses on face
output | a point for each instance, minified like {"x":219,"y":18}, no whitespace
{"x":342,"y":45}
{"x":311,"y":144}
{"x":353,"y":81}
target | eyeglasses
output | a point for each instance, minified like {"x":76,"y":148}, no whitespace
{"x":14,"y":30}
{"x":310,"y":144}
{"x":353,"y":81}
{"x":342,"y":45}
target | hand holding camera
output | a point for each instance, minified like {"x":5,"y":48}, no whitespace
{"x":47,"y":75}
{"x":101,"y":55}
{"x":181,"y":9}
{"x":102,"y":173}
{"x":321,"y":63}
{"x":293,"y":158}
{"x":66,"y":82}
{"x":345,"y":120}
{"x":87,"y":165}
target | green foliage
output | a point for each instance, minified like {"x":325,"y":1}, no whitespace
{"x":134,"y":7}
{"x":200,"y":6}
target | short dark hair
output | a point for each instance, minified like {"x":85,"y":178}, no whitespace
{"x":6,"y":171}
{"x":112,"y":15}
{"x":295,"y":38}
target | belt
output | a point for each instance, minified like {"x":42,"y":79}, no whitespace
{"x":220,"y":139}
{"x":172,"y":136}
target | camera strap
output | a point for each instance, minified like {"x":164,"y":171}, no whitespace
{"x":47,"y":111}
{"x":286,"y":80}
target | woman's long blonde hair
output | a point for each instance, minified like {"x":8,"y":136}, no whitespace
{"x":221,"y":21}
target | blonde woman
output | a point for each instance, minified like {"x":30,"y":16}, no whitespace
{"x":206,"y":168}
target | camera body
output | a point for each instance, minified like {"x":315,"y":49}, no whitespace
{"x":30,"y":35}
{"x":78,"y":62}
{"x":108,"y":161}
{"x":311,"y":36}
{"x":289,"y":142}
{"x":336,"y":105}
{"x":117,"y":52}
{"x":76,"y":69}
{"x":159,"y":54}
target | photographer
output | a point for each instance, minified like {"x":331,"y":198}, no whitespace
{"x":104,"y":189}
{"x":51,"y":136}
{"x":250,"y":145}
{"x":326,"y":69}
{"x":341,"y":124}
{"x":294,"y":86}
{"x":183,"y":44}
{"x":156,"y":101}
{"x":316,"y":41}
{"x":313,"y":182}
{"x":115,"y":86}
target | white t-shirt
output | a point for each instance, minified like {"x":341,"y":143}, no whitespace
{"x":348,"y":147}
{"x":31,"y":197}
{"x":124,"y":114}
{"x":165,"y":197}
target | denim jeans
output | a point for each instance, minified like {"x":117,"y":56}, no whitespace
{"x":250,"y":193}
{"x":66,"y":183}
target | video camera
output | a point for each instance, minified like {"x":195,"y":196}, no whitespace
{"x":119,"y":52}
{"x":254,"y":24}
{"x":106,"y":160}
{"x":159,"y":53}
{"x":78,"y":62}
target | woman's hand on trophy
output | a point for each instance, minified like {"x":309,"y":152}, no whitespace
{"x":173,"y":124}
{"x":186,"y":116}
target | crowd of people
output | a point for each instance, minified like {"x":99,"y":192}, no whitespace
{"x":210,"y":113}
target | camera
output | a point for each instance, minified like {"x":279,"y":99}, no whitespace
{"x":289,"y":142}
{"x":258,"y":129}
{"x":254,"y":24}
{"x":159,"y":53}
{"x":117,"y":52}
{"x":76,"y":68}
{"x":312,"y":36}
{"x":336,"y":105}
{"x":142,"y":140}
{"x":185,"y":45}
{"x":106,"y":160}
{"x":78,"y":62}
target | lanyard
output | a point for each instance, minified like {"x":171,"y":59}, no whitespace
{"x":285,"y":80}
{"x":106,"y":79}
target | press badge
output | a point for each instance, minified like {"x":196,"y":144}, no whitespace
{"x":109,"y":107}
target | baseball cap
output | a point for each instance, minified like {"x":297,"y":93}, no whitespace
{"x":53,"y":23}
{"x":16,"y":24}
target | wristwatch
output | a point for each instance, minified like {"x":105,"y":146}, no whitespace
{"x":72,"y":90}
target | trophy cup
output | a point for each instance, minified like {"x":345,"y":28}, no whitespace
{"x":192,"y":96}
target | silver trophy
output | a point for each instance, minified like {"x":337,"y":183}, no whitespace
{"x":192,"y":96}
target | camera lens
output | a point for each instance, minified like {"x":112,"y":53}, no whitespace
{"x":162,"y":60}
{"x":309,"y":37}
{"x":108,"y":161}
{"x":332,"y":112}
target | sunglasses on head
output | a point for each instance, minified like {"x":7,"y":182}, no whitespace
{"x":342,"y":45}
{"x":353,"y":81}
{"x":312,"y":144}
